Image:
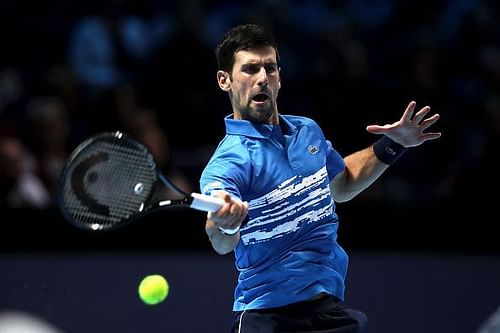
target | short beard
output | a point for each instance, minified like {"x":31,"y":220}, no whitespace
{"x":261,"y":116}
{"x":252,"y":115}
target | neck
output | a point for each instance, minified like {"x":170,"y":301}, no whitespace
{"x":272,"y":120}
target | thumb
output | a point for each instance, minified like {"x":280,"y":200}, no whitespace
{"x":376,"y":129}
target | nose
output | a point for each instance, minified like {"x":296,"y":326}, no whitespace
{"x":263,"y":80}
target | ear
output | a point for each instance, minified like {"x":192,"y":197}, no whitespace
{"x":224,"y":80}
{"x":279,"y":79}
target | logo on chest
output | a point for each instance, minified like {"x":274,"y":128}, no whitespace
{"x":313,"y":149}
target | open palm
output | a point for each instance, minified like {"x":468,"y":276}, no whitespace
{"x":409,"y":130}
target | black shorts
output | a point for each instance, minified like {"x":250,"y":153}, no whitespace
{"x":323,"y":315}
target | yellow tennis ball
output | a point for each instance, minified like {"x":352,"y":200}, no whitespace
{"x":153,"y":289}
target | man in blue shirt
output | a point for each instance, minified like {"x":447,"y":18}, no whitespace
{"x":280,"y":179}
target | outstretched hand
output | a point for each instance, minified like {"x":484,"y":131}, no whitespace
{"x":409,"y":130}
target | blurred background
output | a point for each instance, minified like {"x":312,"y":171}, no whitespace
{"x":70,"y":69}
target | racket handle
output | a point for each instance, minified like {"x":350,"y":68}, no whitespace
{"x":206,"y":203}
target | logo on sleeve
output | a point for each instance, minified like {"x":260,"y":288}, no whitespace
{"x":210,"y":187}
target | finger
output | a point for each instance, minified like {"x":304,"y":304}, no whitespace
{"x":214,"y":217}
{"x":377,"y":129}
{"x":421,"y":114}
{"x":407,"y":115}
{"x":429,"y":121}
{"x":431,"y":136}
{"x":222,"y":212}
{"x":242,"y":209}
{"x":236,"y":209}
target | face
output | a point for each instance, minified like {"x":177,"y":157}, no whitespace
{"x":253,"y":85}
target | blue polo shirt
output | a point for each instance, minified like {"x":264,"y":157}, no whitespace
{"x":288,"y":250}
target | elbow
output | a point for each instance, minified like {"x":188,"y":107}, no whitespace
{"x":342,"y":195}
{"x":340,"y":199}
{"x":343,"y":198}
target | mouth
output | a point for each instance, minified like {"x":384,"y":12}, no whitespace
{"x":260,"y":98}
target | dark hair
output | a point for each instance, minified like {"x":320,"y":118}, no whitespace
{"x":242,"y":37}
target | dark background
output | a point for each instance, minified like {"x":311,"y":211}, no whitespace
{"x":423,"y":237}
{"x":70,"y":69}
{"x":97,"y":291}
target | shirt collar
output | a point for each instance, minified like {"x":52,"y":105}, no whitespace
{"x":256,"y":130}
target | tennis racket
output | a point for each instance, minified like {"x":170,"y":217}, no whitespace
{"x":111,"y":180}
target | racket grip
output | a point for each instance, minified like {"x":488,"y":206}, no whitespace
{"x":206,"y":203}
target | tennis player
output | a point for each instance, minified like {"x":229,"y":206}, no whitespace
{"x":280,"y":179}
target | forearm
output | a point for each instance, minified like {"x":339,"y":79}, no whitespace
{"x":221,"y":242}
{"x":362,"y":169}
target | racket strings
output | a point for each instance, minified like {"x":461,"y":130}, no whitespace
{"x":116,"y":183}
{"x":127,"y":187}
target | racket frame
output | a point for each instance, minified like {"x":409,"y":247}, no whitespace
{"x":196,"y":201}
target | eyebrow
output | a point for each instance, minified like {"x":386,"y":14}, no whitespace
{"x":254,"y":62}
{"x":258,"y":63}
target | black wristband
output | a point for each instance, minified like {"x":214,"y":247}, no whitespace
{"x":388,"y":151}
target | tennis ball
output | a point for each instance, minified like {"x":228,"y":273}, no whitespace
{"x":153,"y":289}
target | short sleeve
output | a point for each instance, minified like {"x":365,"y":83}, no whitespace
{"x":334,"y":162}
{"x":225,"y":171}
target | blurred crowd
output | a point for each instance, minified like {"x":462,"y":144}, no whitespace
{"x":70,"y":69}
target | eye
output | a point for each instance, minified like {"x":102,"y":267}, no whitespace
{"x":251,"y":69}
{"x":271,"y":68}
